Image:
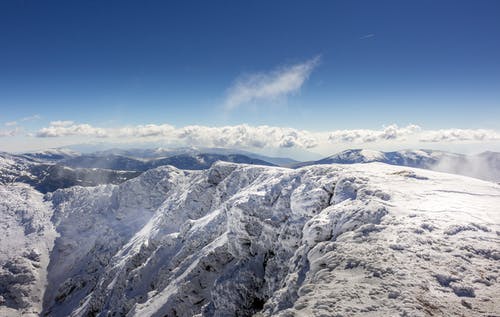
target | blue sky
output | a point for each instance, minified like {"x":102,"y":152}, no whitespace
{"x":111,"y":64}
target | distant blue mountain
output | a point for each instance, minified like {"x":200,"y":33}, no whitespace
{"x":182,"y":161}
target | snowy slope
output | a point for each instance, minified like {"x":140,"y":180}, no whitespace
{"x":46,"y":176}
{"x":237,"y":240}
{"x":483,"y":166}
{"x":27,"y":236}
{"x":13,"y":166}
{"x":412,"y":158}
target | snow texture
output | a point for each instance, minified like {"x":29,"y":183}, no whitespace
{"x":241,"y":240}
{"x":484,"y":166}
{"x":27,"y":236}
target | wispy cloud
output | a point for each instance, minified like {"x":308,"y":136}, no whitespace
{"x":24,"y":119}
{"x":62,"y":123}
{"x":31,"y":118}
{"x":367,"y":36}
{"x":11,"y":132}
{"x":269,"y":86}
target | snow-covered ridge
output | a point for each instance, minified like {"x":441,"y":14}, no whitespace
{"x":362,"y":239}
{"x":483,"y":166}
{"x":26,"y":239}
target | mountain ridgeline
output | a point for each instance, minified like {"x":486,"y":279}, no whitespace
{"x":182,"y":161}
{"x":50,"y":170}
{"x":140,"y":237}
{"x":246,"y":240}
{"x":485,"y":165}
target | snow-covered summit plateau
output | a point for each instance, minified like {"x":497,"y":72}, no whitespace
{"x":241,"y":240}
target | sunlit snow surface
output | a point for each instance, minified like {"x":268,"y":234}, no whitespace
{"x":237,"y":240}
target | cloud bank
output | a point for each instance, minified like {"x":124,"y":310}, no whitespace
{"x":14,"y":131}
{"x":269,"y":86}
{"x":69,"y":128}
{"x":7,"y":133}
{"x":456,"y":135}
{"x":246,"y":136}
{"x":391,"y":132}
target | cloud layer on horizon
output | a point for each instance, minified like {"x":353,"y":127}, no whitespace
{"x":264,"y":136}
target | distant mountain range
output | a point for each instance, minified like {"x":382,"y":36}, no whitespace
{"x":156,"y":153}
{"x":51,"y":154}
{"x":484,"y":166}
{"x":46,"y":176}
{"x":417,"y":158}
{"x":182,"y":161}
{"x":49,"y":170}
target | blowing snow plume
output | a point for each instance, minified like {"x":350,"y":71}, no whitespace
{"x":484,"y":166}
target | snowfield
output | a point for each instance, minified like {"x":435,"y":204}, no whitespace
{"x":241,"y":240}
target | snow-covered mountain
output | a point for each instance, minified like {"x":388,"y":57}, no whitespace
{"x":241,"y":240}
{"x":159,"y":152}
{"x":183,"y":161}
{"x":52,"y":154}
{"x":47,"y":175}
{"x":484,"y":166}
{"x":417,"y":158}
{"x":53,"y":169}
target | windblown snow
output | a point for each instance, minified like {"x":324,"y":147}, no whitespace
{"x":241,"y":240}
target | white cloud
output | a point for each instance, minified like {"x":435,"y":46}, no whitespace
{"x":69,"y":128}
{"x":60,"y":123}
{"x":58,"y":130}
{"x":24,"y":119}
{"x":31,"y":118}
{"x":6,"y":133}
{"x":246,"y":136}
{"x":227,"y":136}
{"x":391,"y":132}
{"x":143,"y":131}
{"x":269,"y":86}
{"x":459,"y":135}
{"x":11,"y":132}
{"x":367,"y":36}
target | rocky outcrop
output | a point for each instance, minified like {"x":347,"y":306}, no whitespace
{"x":242,"y":240}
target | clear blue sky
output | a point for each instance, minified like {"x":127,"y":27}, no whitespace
{"x":432,"y":63}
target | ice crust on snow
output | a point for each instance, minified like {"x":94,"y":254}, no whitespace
{"x":241,"y":240}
